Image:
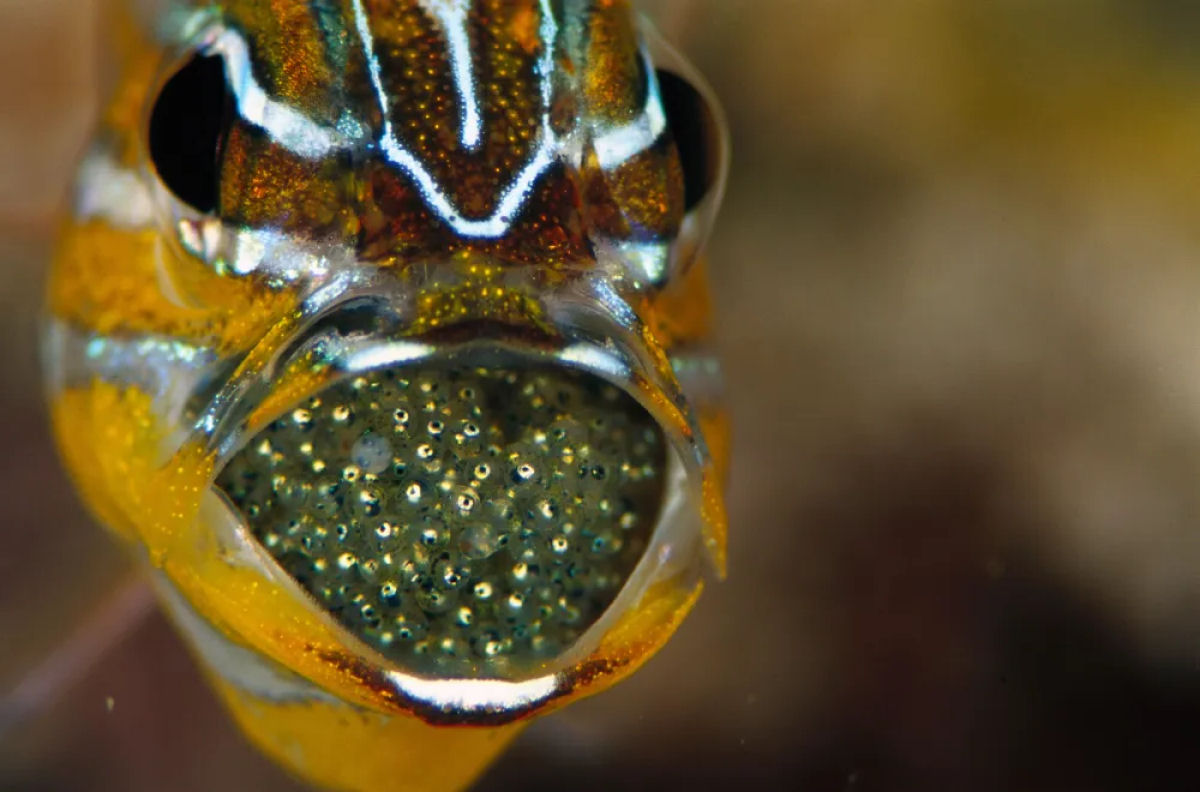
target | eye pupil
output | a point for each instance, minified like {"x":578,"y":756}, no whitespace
{"x":694,"y":129}
{"x":188,"y":127}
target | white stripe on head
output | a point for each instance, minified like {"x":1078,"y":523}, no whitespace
{"x":451,"y":16}
{"x":287,"y":126}
{"x":517,"y":192}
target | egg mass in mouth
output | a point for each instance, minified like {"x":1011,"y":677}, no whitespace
{"x":464,"y":522}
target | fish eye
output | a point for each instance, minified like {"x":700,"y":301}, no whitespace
{"x":697,"y":135}
{"x":189,"y":124}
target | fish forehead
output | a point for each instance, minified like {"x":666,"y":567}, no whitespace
{"x":472,"y":100}
{"x":302,"y":49}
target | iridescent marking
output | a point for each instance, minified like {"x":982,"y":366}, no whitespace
{"x":614,"y":304}
{"x":451,"y":16}
{"x":255,"y":249}
{"x":158,"y":365}
{"x":517,"y":192}
{"x":269,"y":251}
{"x":591,"y":358}
{"x":286,"y":125}
{"x":476,"y":695}
{"x":388,"y":354}
{"x":619,"y":144}
{"x":649,"y":259}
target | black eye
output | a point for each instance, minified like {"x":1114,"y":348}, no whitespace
{"x":696,"y":135}
{"x":188,"y":128}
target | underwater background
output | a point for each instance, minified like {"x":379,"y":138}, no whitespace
{"x":958,"y":294}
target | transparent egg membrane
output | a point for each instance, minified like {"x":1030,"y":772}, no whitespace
{"x":462,"y":522}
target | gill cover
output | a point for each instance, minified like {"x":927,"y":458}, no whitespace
{"x":380,"y":332}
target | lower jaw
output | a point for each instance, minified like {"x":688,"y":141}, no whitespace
{"x":337,"y":746}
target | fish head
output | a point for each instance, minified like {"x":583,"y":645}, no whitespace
{"x":380,"y":330}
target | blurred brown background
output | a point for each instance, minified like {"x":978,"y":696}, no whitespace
{"x":960,"y":308}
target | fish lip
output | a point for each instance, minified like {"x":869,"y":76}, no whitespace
{"x":611,"y":359}
{"x":584,"y":324}
{"x":588,"y":326}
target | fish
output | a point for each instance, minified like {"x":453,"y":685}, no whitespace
{"x":381,"y":333}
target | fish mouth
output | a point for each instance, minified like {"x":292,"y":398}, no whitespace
{"x":461,"y":519}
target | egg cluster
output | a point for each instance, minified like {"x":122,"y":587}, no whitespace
{"x":463,"y":522}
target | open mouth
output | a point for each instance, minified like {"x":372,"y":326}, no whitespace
{"x":465,"y":522}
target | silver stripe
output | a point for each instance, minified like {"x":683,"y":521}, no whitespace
{"x":165,"y":368}
{"x":286,"y":125}
{"x":477,"y":695}
{"x":616,"y":145}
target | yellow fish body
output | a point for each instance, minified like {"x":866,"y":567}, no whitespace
{"x":379,"y":332}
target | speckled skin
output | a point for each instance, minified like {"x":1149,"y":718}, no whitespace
{"x":310,"y":60}
{"x":545,"y":223}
